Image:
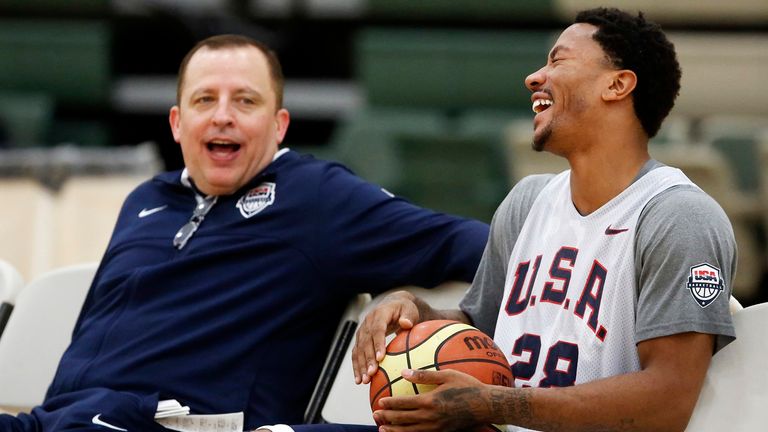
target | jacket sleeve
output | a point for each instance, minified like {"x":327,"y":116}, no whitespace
{"x":375,"y":241}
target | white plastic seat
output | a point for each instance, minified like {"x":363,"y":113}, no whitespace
{"x":347,"y":402}
{"x":734,"y":396}
{"x":38,"y":332}
{"x":11,"y":282}
{"x":734,"y":305}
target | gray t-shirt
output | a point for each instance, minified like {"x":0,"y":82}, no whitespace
{"x":679,"y":228}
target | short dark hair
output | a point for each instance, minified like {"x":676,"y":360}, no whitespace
{"x":632,"y":42}
{"x":236,"y":41}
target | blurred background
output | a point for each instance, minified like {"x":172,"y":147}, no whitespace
{"x":425,"y":97}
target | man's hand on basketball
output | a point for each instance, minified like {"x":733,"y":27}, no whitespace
{"x":458,"y":403}
{"x":397,"y":310}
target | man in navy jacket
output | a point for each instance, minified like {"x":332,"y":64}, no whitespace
{"x":223,"y":283}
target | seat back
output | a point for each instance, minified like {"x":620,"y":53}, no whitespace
{"x":345,"y":334}
{"x":348,"y":402}
{"x":735,"y":391}
{"x":38,"y":332}
{"x":10,"y":285}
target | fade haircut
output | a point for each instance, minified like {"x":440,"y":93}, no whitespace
{"x":632,"y":42}
{"x":227,"y":41}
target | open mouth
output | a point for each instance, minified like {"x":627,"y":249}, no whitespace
{"x":541,"y":105}
{"x":220,"y":147}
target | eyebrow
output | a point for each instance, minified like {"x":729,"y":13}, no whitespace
{"x":557,"y":49}
{"x":237,"y":92}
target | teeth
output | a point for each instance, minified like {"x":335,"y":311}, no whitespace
{"x":538,"y":105}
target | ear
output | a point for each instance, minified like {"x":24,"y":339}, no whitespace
{"x":623,"y":82}
{"x":174,"y":120}
{"x":282,"y":119}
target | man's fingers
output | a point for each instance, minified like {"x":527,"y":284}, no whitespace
{"x":400,"y":402}
{"x":425,"y":377}
{"x":409,"y":315}
{"x":365,"y":360}
{"x":370,"y":342}
{"x":406,"y":421}
{"x":361,"y":353}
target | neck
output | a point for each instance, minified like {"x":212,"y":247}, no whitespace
{"x":603,"y":170}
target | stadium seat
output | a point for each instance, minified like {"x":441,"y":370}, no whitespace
{"x":38,"y":332}
{"x":10,"y":285}
{"x":25,"y":118}
{"x":450,"y":70}
{"x":364,"y":141}
{"x":736,"y":138}
{"x":26,"y":224}
{"x":484,"y":11}
{"x":762,"y":150}
{"x":708,"y":84}
{"x":734,"y":396}
{"x":86,"y":211}
{"x":675,"y":130}
{"x":59,"y":8}
{"x":68,"y":59}
{"x":348,"y":402}
{"x":680,"y":12}
{"x":452,"y":173}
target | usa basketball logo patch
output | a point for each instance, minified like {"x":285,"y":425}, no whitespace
{"x":705,"y":283}
{"x":256,"y":199}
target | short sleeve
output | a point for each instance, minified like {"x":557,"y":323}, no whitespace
{"x":680,"y":231}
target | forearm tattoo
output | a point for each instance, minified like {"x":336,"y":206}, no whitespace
{"x":516,"y":407}
{"x":459,"y":407}
{"x":511,"y":405}
{"x":463,"y":408}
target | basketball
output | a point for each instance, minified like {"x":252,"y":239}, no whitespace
{"x":438,"y":345}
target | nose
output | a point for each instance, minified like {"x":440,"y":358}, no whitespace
{"x":535,"y":80}
{"x":223,"y":114}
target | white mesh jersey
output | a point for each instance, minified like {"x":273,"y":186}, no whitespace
{"x":568,"y":311}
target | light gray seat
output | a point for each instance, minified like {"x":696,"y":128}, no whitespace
{"x":38,"y":332}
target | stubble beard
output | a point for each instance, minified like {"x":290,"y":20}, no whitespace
{"x":540,"y":140}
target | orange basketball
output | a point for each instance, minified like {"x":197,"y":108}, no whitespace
{"x":438,"y":345}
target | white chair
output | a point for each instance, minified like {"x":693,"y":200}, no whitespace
{"x":347,"y":402}
{"x":345,"y":334}
{"x":734,"y":305}
{"x":735,"y":392}
{"x":10,"y":285}
{"x":39,"y":331}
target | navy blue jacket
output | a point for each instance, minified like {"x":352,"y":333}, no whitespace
{"x":241,"y":318}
